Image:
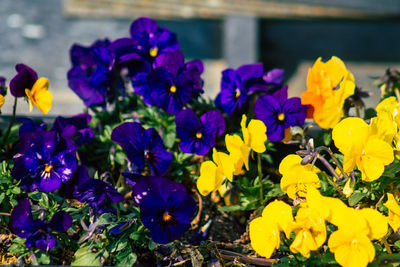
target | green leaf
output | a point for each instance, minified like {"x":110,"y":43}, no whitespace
{"x":356,"y":197}
{"x":397,"y":243}
{"x":169,"y":139}
{"x":231,"y":208}
{"x":2,"y":196}
{"x":126,"y":258}
{"x":392,"y":169}
{"x":43,"y":258}
{"x":106,"y":218}
{"x":85,"y":257}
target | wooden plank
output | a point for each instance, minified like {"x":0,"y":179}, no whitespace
{"x":217,"y":9}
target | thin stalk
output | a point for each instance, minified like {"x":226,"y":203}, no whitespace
{"x":396,"y":92}
{"x":5,"y":214}
{"x":259,"y":168}
{"x":328,"y":166}
{"x":11,"y":121}
{"x":329,"y":151}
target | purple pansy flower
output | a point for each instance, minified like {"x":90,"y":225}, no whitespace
{"x":278,"y":113}
{"x":38,"y":233}
{"x":71,"y":188}
{"x":29,"y":125}
{"x":25,"y":79}
{"x":165,"y":207}
{"x":173,"y":83}
{"x":75,"y":128}
{"x":151,"y":39}
{"x":142,"y":146}
{"x":98,"y":194}
{"x":43,"y":161}
{"x":198,"y":135}
{"x":235,"y":85}
{"x":93,"y":75}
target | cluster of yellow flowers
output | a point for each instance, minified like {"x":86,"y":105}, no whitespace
{"x":224,"y":166}
{"x":351,"y":242}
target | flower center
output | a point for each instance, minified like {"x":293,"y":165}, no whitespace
{"x":172,"y":89}
{"x":199,"y":135}
{"x":153,"y":51}
{"x":166,"y":216}
{"x":237,"y":93}
{"x":281,"y":116}
{"x":48,"y":168}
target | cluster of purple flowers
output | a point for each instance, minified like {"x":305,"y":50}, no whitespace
{"x":272,"y":105}
{"x":149,"y":59}
{"x":38,"y":233}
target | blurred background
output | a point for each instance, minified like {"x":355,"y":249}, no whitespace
{"x":289,"y":34}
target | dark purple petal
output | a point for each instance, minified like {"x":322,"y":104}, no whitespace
{"x":171,"y":61}
{"x":43,"y":241}
{"x":274,"y":76}
{"x":21,"y":219}
{"x":182,"y":206}
{"x":29,"y":125}
{"x":281,"y":95}
{"x":276,"y":132}
{"x":51,"y":183}
{"x":295,"y":112}
{"x":250,"y":71}
{"x":25,"y":79}
{"x":195,"y":65}
{"x":143,"y":26}
{"x":216,"y":118}
{"x":130,"y":137}
{"x":187,"y":123}
{"x":61,"y":221}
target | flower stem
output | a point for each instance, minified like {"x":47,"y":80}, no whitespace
{"x":5,"y":214}
{"x":329,"y":151}
{"x":259,"y":168}
{"x":328,"y":166}
{"x":11,"y":121}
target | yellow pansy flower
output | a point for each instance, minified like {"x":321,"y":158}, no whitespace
{"x":265,"y":230}
{"x":310,"y":230}
{"x":394,"y":212}
{"x":297,"y":178}
{"x":327,"y":103}
{"x":239,"y":152}
{"x":352,"y":136}
{"x":254,"y":135}
{"x":351,"y":248}
{"x":2,"y":100}
{"x":40,"y":96}
{"x":212,"y":174}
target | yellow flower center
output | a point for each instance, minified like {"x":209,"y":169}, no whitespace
{"x":237,"y":93}
{"x":172,"y":89}
{"x":281,"y":116}
{"x":48,"y":168}
{"x":166,"y":216}
{"x":199,"y":135}
{"x":153,"y":51}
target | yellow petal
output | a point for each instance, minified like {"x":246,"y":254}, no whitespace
{"x":210,"y":179}
{"x":288,"y":163}
{"x":383,"y":127}
{"x":264,"y":236}
{"x":387,"y":105}
{"x":2,"y":100}
{"x":379,"y":149}
{"x":225,"y":163}
{"x":40,"y":96}
{"x":258,"y":136}
{"x":281,"y":213}
{"x":394,"y":212}
{"x":350,"y":135}
{"x":238,"y":151}
{"x":377,"y":223}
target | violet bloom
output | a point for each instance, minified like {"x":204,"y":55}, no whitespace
{"x":151,"y":39}
{"x":43,"y":161}
{"x":98,"y":194}
{"x":38,"y":233}
{"x":71,"y":188}
{"x":25,"y":79}
{"x":278,"y":113}
{"x":92,"y":76}
{"x":142,"y":147}
{"x":235,"y":85}
{"x":173,"y":83}
{"x":165,"y":207}
{"x":198,"y":135}
{"x":75,"y":128}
